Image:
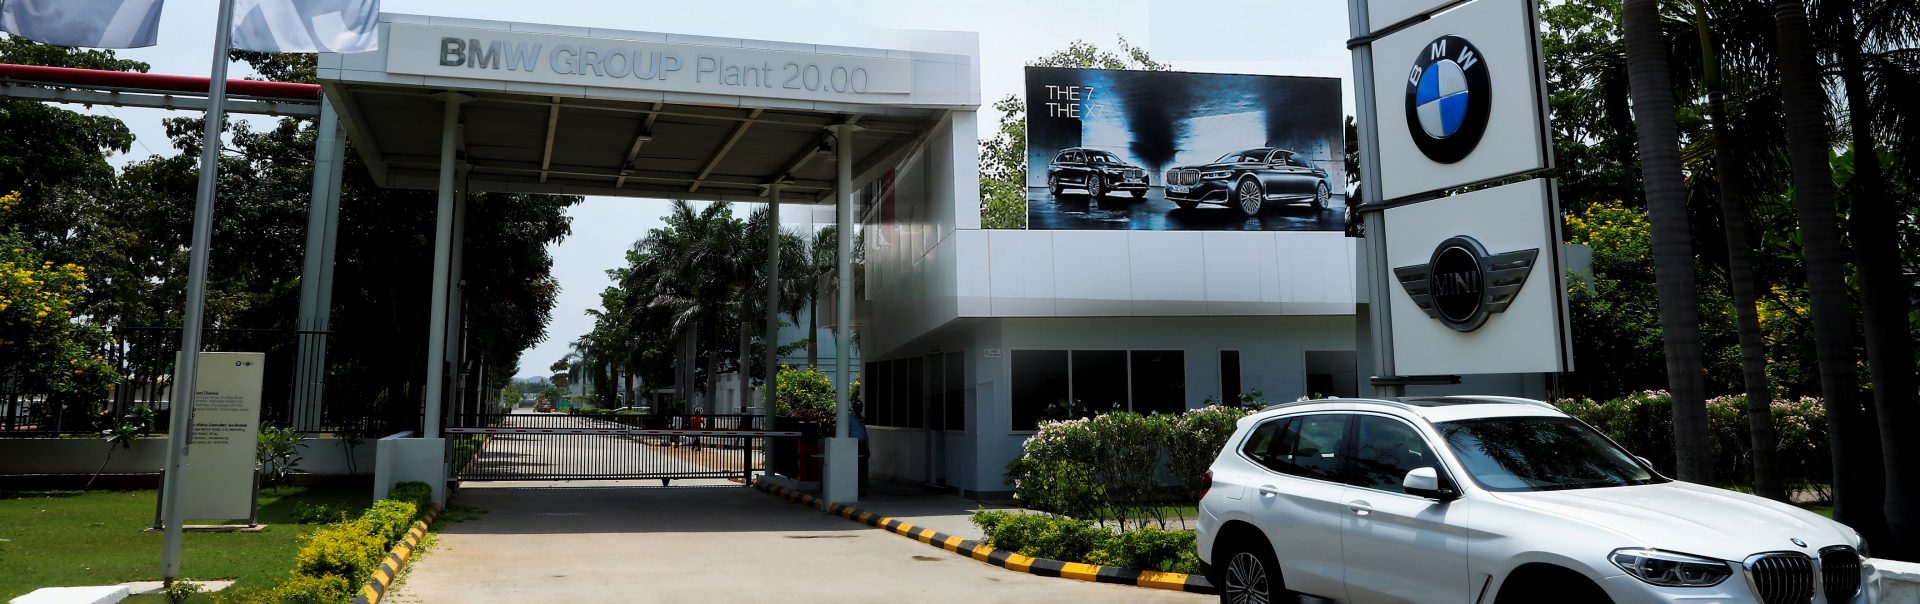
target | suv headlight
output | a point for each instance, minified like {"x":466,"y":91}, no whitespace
{"x":1670,"y":569}
{"x":1216,"y":175}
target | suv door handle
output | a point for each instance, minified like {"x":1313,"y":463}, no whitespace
{"x":1360,"y":508}
{"x":1269,"y":491}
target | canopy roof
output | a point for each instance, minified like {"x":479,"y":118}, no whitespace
{"x":520,"y":132}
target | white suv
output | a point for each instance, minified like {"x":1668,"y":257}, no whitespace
{"x":1494,"y":500}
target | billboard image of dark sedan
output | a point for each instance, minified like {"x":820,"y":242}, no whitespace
{"x":1182,"y":151}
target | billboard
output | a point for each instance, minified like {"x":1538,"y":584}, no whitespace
{"x":1179,"y":151}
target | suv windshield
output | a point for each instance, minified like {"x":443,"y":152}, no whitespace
{"x":1540,"y":454}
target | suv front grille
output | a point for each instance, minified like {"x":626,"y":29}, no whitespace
{"x":1183,"y":177}
{"x":1781,"y":577}
{"x":1840,"y":573}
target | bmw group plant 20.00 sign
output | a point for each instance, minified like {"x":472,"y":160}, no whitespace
{"x":1438,"y":83}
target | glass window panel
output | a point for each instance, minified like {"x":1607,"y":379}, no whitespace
{"x":1099,"y":381}
{"x":1159,"y":381}
{"x":956,"y":398}
{"x":1039,"y":380}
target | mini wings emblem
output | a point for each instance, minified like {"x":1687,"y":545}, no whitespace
{"x":1462,"y":284}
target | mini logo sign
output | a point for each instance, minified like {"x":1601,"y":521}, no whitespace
{"x":1462,"y":284}
{"x":1449,"y":97}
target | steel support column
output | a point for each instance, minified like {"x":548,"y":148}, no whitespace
{"x":843,"y":457}
{"x":1379,"y":289}
{"x":442,"y":265}
{"x":771,"y":386}
{"x":322,"y":210}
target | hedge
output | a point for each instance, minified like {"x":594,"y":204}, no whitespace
{"x":1074,"y":540}
{"x":1643,"y":423}
{"x":1116,"y":466}
{"x":335,"y":561}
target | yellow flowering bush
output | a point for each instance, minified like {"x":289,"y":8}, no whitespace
{"x":39,"y":336}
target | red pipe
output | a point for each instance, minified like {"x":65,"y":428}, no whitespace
{"x":155,"y":81}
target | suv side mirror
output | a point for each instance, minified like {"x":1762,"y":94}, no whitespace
{"x":1425,"y":482}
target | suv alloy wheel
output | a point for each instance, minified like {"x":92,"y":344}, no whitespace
{"x":1095,"y":188}
{"x":1053,"y":185}
{"x":1321,"y":195}
{"x":1249,"y":575}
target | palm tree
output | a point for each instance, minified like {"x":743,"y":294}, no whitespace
{"x":1653,"y":109}
{"x":1740,"y":274}
{"x":1873,"y":226}
{"x":815,"y":275}
{"x":687,"y":269}
{"x":1856,"y":465}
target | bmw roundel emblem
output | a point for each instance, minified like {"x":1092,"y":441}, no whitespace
{"x":1449,"y":97}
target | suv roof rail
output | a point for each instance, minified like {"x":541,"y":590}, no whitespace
{"x":1512,"y":400}
{"x":1364,"y":401}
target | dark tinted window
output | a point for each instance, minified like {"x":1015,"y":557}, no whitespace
{"x":1263,"y":443}
{"x":1540,"y":454}
{"x":916,"y":392}
{"x":1311,"y":447}
{"x":1230,"y":377}
{"x":1159,"y":381}
{"x":1063,"y":157}
{"x":1251,"y":155}
{"x":1039,"y":380}
{"x":1102,"y":157}
{"x":956,"y":397}
{"x":1384,"y":450}
{"x":879,"y":409}
{"x":1100,"y":380}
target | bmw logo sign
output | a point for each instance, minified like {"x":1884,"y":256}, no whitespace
{"x":1449,"y":97}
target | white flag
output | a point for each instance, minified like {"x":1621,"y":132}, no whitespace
{"x":306,"y":25}
{"x":95,"y":23}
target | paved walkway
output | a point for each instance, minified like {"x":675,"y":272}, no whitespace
{"x":629,"y":541}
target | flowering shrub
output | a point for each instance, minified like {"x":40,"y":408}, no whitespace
{"x":1643,"y":423}
{"x":1109,"y":467}
{"x":41,"y":339}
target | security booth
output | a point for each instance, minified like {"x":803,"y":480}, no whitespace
{"x":464,"y":106}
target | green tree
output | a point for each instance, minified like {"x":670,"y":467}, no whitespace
{"x":1003,"y":158}
{"x":1672,"y":251}
{"x":1740,"y":272}
{"x":1868,"y":31}
{"x":1856,"y":463}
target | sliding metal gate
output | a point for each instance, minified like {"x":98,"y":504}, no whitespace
{"x":556,"y":446}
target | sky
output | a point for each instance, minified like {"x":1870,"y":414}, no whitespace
{"x":1276,"y":37}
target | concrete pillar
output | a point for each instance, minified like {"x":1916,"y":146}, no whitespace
{"x":323,"y":212}
{"x":442,"y":265}
{"x":843,"y":463}
{"x":771,"y":389}
{"x":456,"y":314}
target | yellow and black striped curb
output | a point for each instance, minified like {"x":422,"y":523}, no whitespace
{"x":997,"y":557}
{"x":377,"y":587}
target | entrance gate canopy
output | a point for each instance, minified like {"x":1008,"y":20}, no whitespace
{"x":580,"y":111}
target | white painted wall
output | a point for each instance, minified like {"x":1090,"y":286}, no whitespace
{"x":1272,"y":359}
{"x":148,"y":455}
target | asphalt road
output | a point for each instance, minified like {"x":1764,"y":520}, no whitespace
{"x":1073,"y":209}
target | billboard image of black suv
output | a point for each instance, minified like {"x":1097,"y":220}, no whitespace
{"x":1166,"y":150}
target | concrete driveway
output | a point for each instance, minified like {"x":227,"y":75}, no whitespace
{"x":709,"y":541}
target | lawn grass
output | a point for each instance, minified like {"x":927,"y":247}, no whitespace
{"x":59,"y":538}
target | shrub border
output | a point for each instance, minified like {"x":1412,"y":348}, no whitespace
{"x":377,"y":586}
{"x":1004,"y":559}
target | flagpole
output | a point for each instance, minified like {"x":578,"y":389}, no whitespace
{"x":187,"y":372}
